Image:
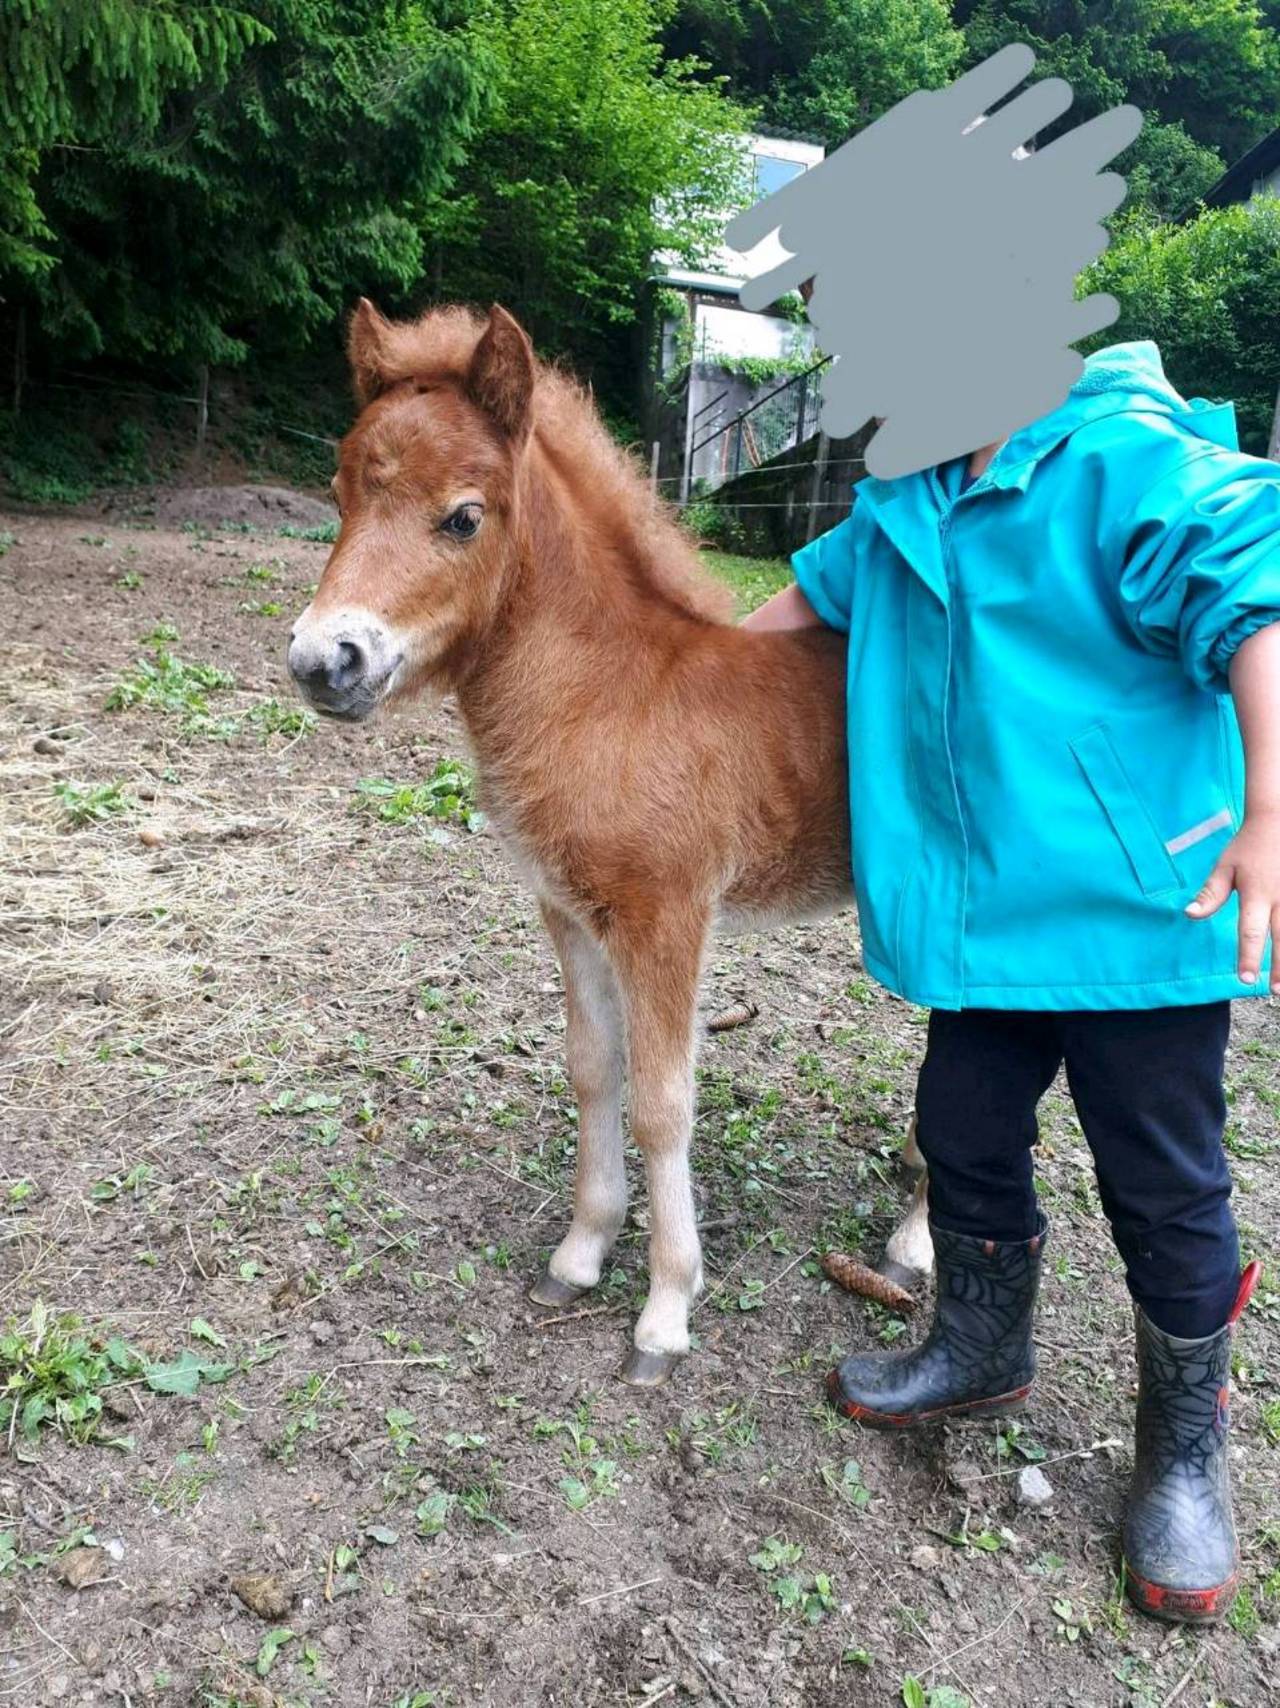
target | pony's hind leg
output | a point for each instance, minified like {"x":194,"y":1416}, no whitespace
{"x":594,"y":1058}
{"x":658,"y":969}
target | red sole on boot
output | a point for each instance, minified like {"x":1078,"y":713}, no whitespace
{"x":1180,"y":1606}
{"x":1015,"y":1400}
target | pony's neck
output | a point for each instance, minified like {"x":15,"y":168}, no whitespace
{"x":600,"y":584}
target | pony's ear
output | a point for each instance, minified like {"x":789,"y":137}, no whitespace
{"x":500,"y":377}
{"x":367,"y":351}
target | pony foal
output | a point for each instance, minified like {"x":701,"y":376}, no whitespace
{"x":652,"y":771}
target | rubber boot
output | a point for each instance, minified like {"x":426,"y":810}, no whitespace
{"x":1181,"y":1558}
{"x":978,"y":1357}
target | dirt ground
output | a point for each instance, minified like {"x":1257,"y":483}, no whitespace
{"x":286,"y":1137}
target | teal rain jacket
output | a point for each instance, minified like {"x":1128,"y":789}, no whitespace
{"x":1044,"y":757}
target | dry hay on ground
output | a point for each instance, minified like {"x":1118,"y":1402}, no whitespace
{"x":283,"y":1100}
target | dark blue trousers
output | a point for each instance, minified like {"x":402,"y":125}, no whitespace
{"x":1148,"y":1088}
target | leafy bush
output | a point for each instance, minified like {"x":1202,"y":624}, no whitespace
{"x":1208,"y":292}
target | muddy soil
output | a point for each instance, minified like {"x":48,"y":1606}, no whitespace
{"x":286,"y":1129}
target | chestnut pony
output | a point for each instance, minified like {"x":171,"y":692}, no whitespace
{"x":653,"y":772}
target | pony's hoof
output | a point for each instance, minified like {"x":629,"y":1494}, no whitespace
{"x":546,"y":1290}
{"x":648,"y":1369}
{"x":902,"y":1275}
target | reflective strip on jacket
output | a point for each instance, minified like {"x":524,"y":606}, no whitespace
{"x":1044,"y":758}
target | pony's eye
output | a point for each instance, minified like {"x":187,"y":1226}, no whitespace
{"x":465,"y":521}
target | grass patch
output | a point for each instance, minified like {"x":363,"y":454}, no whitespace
{"x":164,"y":683}
{"x":753,"y":579}
{"x":324,"y":533}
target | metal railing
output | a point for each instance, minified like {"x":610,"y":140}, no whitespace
{"x":782,"y":419}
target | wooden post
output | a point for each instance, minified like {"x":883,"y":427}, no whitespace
{"x":654,"y":454}
{"x":686,"y":472}
{"x":815,"y":489}
{"x":1273,"y":443}
{"x":202,"y":410}
{"x":19,"y":358}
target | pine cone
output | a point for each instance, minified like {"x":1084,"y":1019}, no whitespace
{"x":856,"y":1277}
{"x":741,"y":1014}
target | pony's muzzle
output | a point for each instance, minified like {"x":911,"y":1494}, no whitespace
{"x":342,"y":664}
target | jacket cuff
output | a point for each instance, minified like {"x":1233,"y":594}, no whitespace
{"x":1231,"y":640}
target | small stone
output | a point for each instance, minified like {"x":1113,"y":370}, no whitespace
{"x":322,"y":1332}
{"x":1034,"y":1488}
{"x":262,"y":1594}
{"x":336,"y":1639}
{"x":81,"y":1566}
{"x":925,"y":1558}
{"x":151,"y":838}
{"x":42,"y":744}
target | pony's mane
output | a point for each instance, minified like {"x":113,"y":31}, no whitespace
{"x":441,"y":343}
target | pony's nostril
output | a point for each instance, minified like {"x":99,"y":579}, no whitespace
{"x":349,"y":665}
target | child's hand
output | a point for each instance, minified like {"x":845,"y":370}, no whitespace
{"x":1250,"y":865}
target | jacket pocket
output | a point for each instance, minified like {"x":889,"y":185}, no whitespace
{"x":1152,"y":862}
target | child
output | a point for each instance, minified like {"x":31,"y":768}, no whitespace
{"x":1046,"y":768}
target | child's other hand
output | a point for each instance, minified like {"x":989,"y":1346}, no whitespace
{"x":1249,"y":865}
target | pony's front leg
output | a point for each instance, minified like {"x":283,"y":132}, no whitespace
{"x":658,"y":969}
{"x":594,"y":1059}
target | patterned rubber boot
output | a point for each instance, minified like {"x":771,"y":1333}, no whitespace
{"x":1181,"y":1558}
{"x":978,"y":1357}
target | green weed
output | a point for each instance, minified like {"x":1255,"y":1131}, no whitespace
{"x":164,"y":683}
{"x":51,"y":1374}
{"x":325,"y":533}
{"x":93,"y":803}
{"x":810,"y":1596}
{"x":448,"y":794}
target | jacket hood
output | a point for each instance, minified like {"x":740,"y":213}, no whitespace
{"x":1123,"y":378}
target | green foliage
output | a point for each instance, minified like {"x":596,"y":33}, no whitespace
{"x":866,"y":56}
{"x":82,"y":73}
{"x":1208,"y":292}
{"x":821,"y":67}
{"x":254,"y":205}
{"x":596,"y":152}
{"x":50,"y":456}
{"x":1207,"y":69}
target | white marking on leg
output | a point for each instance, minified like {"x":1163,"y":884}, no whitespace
{"x":912,"y":1155}
{"x":663,"y":1120}
{"x":910,"y":1243}
{"x":594,"y":1057}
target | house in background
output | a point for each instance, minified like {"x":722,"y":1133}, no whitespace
{"x":707,"y":359}
{"x":1256,"y":173}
